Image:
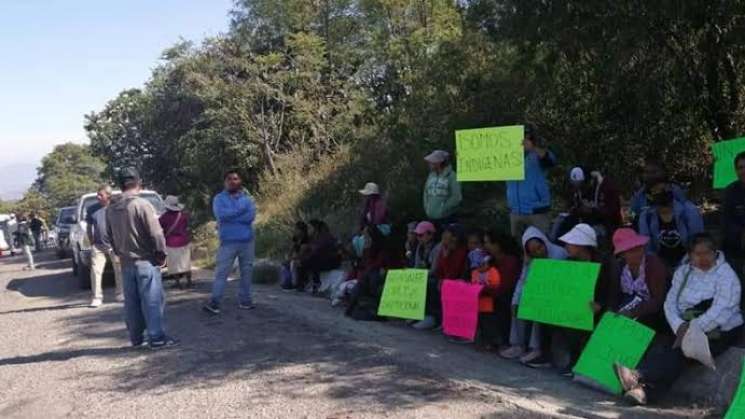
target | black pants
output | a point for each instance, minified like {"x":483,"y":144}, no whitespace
{"x":433,"y":305}
{"x":311,"y":270}
{"x":662,"y":364}
{"x":489,"y":332}
{"x":567,"y":345}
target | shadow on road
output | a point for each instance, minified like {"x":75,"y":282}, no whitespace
{"x":59,"y":356}
{"x":283,"y":349}
{"x":48,"y":308}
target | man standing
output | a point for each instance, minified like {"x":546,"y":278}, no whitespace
{"x":37,"y":226}
{"x":530,"y":199}
{"x":138,"y":241}
{"x":235,"y":212}
{"x":733,"y":217}
{"x":101,"y":247}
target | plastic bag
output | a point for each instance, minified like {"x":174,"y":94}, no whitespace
{"x":696,"y":346}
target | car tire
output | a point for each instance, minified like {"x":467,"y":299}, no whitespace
{"x":74,"y":265}
{"x":84,"y":277}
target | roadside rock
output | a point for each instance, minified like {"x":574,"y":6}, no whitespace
{"x":713,"y":388}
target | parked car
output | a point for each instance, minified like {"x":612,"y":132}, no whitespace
{"x":9,"y":226}
{"x":61,"y":231}
{"x":79,"y":243}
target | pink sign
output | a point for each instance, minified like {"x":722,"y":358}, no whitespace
{"x":460,"y":308}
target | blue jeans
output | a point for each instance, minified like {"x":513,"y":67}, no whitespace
{"x":226,"y":255}
{"x":144,"y":301}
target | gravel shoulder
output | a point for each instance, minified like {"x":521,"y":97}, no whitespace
{"x":292,"y":357}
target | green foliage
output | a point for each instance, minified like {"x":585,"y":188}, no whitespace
{"x":68,"y":172}
{"x":312,"y":98}
{"x":34,"y":202}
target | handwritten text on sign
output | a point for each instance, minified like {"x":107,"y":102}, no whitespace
{"x":490,"y":154}
{"x":724,"y":161}
{"x":559,"y":292}
{"x":616,"y":339}
{"x":404,"y":294}
{"x":460,"y":308}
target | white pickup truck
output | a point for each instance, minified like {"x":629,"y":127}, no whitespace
{"x":79,"y":243}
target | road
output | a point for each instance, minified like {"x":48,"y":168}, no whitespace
{"x":292,"y":357}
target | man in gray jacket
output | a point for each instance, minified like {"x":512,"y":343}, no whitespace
{"x":137,"y":239}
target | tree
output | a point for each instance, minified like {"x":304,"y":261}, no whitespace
{"x":66,"y":173}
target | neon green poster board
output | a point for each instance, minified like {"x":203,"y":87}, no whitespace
{"x":404,"y":294}
{"x":737,"y":407}
{"x":559,"y":292}
{"x":616,"y":339}
{"x":490,"y":154}
{"x":724,"y":161}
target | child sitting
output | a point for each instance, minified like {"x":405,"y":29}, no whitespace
{"x":476,"y":252}
{"x":487,"y":275}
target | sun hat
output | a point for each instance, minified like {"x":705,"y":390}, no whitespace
{"x":172,"y":203}
{"x":581,"y":235}
{"x":370,"y":189}
{"x":577,"y":175}
{"x":437,"y":156}
{"x":625,"y":239}
{"x":425,"y":227}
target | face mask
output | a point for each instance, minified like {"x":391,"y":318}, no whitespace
{"x":664,"y":198}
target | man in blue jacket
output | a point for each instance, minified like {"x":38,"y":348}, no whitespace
{"x":530,"y":199}
{"x":235,"y":212}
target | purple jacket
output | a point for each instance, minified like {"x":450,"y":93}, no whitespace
{"x":179,"y":237}
{"x":374,"y":211}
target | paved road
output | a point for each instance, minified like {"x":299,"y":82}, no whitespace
{"x":293,"y":357}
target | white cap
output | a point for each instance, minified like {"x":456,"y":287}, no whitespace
{"x":370,"y":189}
{"x":577,"y":175}
{"x":581,"y":235}
{"x":437,"y":156}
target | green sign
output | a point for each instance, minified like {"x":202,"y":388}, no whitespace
{"x":489,"y":154}
{"x":616,"y":339}
{"x":559,"y":292}
{"x":737,"y":407}
{"x":724,"y":161}
{"x":404,"y":294}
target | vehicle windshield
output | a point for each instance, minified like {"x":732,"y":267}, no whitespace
{"x":66,"y":216}
{"x":151,"y":197}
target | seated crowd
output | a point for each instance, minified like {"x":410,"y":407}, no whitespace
{"x":659,"y":268}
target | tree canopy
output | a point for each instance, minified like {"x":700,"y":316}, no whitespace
{"x":384,"y":81}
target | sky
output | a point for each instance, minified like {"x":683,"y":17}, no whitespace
{"x":62,"y":59}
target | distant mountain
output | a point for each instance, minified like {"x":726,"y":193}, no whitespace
{"x":15,"y":180}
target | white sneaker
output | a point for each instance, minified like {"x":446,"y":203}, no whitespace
{"x":335,"y":302}
{"x":513,"y":352}
{"x":426,"y":324}
{"x":96,"y":303}
{"x":531,"y":356}
{"x":120,"y":298}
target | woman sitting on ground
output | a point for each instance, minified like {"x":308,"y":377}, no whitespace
{"x":450,"y":264}
{"x":582,"y":246}
{"x":643,"y":281}
{"x":705,"y":295}
{"x":365,"y":282}
{"x":669,"y":224}
{"x":426,"y":252}
{"x":299,"y":249}
{"x":523,"y":332}
{"x":323,"y":255}
{"x":504,"y":253}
